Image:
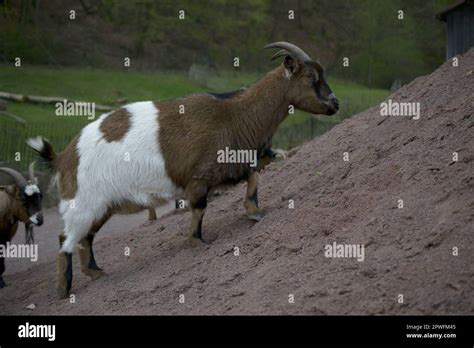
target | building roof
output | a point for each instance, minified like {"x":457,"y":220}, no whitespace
{"x":442,"y":15}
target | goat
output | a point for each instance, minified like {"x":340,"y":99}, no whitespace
{"x":18,"y":202}
{"x":146,"y":153}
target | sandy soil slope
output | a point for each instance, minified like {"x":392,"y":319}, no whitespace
{"x":408,"y":251}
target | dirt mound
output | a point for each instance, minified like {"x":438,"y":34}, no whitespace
{"x":408,"y":251}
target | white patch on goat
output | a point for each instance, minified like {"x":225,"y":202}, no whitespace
{"x":31,"y":189}
{"x":104,"y":177}
{"x":36,"y":143}
{"x":287,"y":74}
{"x":34,"y":218}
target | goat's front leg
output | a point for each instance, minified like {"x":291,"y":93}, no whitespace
{"x":29,"y":234}
{"x":64,"y":270}
{"x":197,"y":195}
{"x":251,"y":198}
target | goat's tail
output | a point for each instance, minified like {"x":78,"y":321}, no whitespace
{"x":44,"y":150}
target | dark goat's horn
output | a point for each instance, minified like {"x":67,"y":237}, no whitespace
{"x":297,"y":52}
{"x":19,"y":179}
{"x":280,"y":53}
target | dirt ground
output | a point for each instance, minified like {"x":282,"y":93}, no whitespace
{"x":408,"y":251}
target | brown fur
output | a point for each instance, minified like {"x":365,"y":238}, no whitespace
{"x":8,"y":226}
{"x":116,"y":125}
{"x":11,"y":211}
{"x":61,"y":282}
{"x":246,"y":121}
{"x":84,"y":250}
{"x":249,"y":204}
{"x":66,"y":163}
{"x":8,"y":229}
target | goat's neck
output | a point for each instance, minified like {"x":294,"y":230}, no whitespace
{"x":261,"y":108}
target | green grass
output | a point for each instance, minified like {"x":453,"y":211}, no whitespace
{"x":102,"y":87}
{"x":106,"y":87}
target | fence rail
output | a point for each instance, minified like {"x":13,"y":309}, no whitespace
{"x":13,"y":148}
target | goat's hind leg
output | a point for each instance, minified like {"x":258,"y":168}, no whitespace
{"x":4,"y":239}
{"x":75,"y":230}
{"x":63,"y":270}
{"x":151,"y":214}
{"x":251,"y":198}
{"x":86,"y":253}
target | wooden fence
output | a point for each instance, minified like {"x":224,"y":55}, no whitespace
{"x":13,"y":148}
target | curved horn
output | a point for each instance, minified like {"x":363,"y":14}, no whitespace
{"x":297,"y":52}
{"x":31,"y":170}
{"x":19,"y":179}
{"x":280,"y":53}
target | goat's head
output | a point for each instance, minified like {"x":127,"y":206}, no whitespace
{"x":308,"y":90}
{"x":27,"y":195}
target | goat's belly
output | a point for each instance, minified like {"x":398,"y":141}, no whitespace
{"x":146,"y":183}
{"x":132,"y":168}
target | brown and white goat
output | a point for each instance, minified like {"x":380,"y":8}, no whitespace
{"x":149,"y":152}
{"x":20,"y":201}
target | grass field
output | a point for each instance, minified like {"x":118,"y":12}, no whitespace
{"x":107,"y":87}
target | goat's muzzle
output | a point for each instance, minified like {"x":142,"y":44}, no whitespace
{"x":332,"y":105}
{"x":37,"y":218}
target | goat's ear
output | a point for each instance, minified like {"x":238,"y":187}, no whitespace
{"x":291,"y":64}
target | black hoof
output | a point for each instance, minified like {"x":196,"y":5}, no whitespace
{"x":255,"y":217}
{"x":2,"y":283}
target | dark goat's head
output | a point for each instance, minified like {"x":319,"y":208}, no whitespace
{"x":27,"y":195}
